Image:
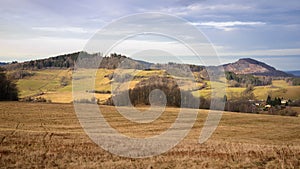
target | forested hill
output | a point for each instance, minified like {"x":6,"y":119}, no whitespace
{"x":109,"y":62}
{"x":58,"y":61}
{"x":242,"y":66}
{"x":68,"y":61}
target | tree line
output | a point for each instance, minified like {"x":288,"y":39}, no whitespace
{"x":243,"y":80}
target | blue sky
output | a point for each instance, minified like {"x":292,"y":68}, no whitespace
{"x":264,"y":30}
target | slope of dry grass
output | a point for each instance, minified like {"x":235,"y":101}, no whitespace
{"x":48,"y":82}
{"x":35,"y":135}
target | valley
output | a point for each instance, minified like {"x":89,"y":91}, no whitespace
{"x":48,"y":84}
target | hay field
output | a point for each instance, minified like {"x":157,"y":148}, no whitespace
{"x":37,"y":135}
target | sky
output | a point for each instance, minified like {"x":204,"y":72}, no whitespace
{"x":265,"y":30}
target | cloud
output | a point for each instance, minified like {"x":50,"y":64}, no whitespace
{"x":217,"y":7}
{"x":38,"y":48}
{"x":266,"y":52}
{"x":200,"y":8}
{"x":63,"y":29}
{"x":227,"y":26}
{"x":66,"y":25}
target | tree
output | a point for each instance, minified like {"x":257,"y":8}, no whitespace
{"x":248,"y":93}
{"x":269,"y":100}
{"x":225,"y":98}
{"x":8,"y":89}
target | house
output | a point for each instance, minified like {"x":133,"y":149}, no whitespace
{"x":267,"y":107}
{"x":284,"y":102}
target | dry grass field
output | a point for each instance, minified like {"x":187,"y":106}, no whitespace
{"x":49,"y":83}
{"x":37,"y":135}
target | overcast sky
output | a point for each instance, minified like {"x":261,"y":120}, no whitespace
{"x":264,"y":30}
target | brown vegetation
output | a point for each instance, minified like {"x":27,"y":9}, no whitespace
{"x":36,"y":135}
{"x":139,"y":95}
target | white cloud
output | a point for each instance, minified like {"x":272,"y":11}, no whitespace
{"x":38,"y":48}
{"x":267,"y":52}
{"x":205,"y":8}
{"x":63,"y":29}
{"x":218,"y":7}
{"x":228,"y":26}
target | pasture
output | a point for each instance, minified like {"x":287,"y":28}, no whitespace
{"x":40,"y":135}
{"x":56,"y":85}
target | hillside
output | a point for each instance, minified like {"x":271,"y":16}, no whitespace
{"x":54,"y":84}
{"x":254,"y":67}
{"x":242,"y":66}
{"x":68,"y":61}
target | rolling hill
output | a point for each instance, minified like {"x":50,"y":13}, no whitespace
{"x":254,"y":67}
{"x":68,"y":61}
{"x":242,"y":66}
{"x":51,"y":78}
{"x":294,"y":72}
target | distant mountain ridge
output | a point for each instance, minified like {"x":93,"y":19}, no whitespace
{"x":294,"y":72}
{"x":254,"y":67}
{"x":3,"y":63}
{"x":242,"y":66}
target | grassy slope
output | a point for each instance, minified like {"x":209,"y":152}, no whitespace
{"x":48,"y":81}
{"x":279,"y":88}
{"x":42,"y":81}
{"x":49,"y":135}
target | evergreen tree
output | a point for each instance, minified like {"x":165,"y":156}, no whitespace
{"x":269,"y":100}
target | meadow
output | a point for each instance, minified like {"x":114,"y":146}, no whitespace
{"x":56,"y":85}
{"x":41,"y":135}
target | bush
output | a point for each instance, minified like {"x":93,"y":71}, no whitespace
{"x":20,"y":74}
{"x":90,"y":101}
{"x":121,"y":77}
{"x":64,"y":81}
{"x":241,"y":106}
{"x":295,"y":103}
{"x":36,"y":99}
{"x":283,"y":112}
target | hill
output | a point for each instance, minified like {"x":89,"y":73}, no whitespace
{"x":68,"y":61}
{"x":242,"y":66}
{"x":254,"y":67}
{"x":3,"y":63}
{"x":294,"y":72}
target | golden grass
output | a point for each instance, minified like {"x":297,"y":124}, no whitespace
{"x":43,"y":81}
{"x":279,"y":88}
{"x":48,"y":82}
{"x":280,"y":83}
{"x":35,"y":135}
{"x":59,"y":97}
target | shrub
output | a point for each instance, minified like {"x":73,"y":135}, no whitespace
{"x":283,"y":112}
{"x":295,"y":103}
{"x":20,"y":74}
{"x":90,"y":101}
